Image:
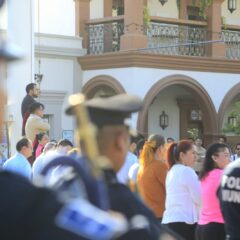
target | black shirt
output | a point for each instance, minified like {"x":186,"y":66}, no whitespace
{"x":124,"y":201}
{"x":28,"y":212}
{"x":26,"y":103}
{"x":229,"y":196}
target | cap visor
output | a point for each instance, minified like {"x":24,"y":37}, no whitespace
{"x":10,"y":52}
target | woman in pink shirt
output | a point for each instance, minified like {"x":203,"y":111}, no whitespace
{"x":42,"y":140}
{"x":211,"y":224}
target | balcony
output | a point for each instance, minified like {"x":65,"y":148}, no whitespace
{"x":165,"y":36}
{"x":232,"y":43}
{"x":104,"y":35}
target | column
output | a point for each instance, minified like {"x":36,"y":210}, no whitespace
{"x":107,"y":8}
{"x":82,"y":15}
{"x":214,"y":29}
{"x":21,"y":73}
{"x":108,"y":33}
{"x":183,"y":9}
{"x":133,"y":37}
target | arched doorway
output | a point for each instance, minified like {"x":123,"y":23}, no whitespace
{"x":195,"y":108}
{"x":228,"y":106}
{"x":102,"y":86}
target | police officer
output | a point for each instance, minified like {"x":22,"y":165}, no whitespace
{"x":229,"y":196}
{"x":31,"y":213}
{"x":109,"y":115}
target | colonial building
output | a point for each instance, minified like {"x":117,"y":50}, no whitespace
{"x":45,"y":31}
{"x":186,"y":67}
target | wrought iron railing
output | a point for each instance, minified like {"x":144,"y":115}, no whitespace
{"x":104,"y":37}
{"x":232,"y":44}
{"x":173,"y":39}
{"x":163,"y":38}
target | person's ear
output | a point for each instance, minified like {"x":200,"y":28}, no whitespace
{"x":214,"y":158}
{"x":119,"y":141}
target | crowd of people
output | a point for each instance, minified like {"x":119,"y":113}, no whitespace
{"x":161,"y":172}
{"x":149,"y":189}
{"x":177,"y":180}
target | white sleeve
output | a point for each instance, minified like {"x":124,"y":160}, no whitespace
{"x":193,"y":185}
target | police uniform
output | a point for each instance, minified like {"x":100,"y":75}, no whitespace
{"x":32,"y":213}
{"x":114,"y":111}
{"x":229,"y":196}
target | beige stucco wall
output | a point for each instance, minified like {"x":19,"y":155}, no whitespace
{"x":96,"y":9}
{"x":169,"y":9}
{"x":231,"y":18}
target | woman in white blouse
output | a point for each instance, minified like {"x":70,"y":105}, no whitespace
{"x":183,"y":198}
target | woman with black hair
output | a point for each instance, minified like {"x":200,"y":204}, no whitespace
{"x":211,"y":224}
{"x":183,"y":198}
{"x":41,"y":140}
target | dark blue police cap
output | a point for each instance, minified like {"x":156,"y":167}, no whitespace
{"x":110,"y":111}
{"x":9,"y":51}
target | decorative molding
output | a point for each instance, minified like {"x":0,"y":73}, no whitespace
{"x":102,"y":80}
{"x":124,"y":59}
{"x":201,"y":97}
{"x":228,"y":99}
{"x":52,"y":97}
{"x":178,"y":21}
{"x":58,"y":45}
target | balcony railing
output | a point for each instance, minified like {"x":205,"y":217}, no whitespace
{"x":232,"y":43}
{"x":104,"y":36}
{"x":172,"y":39}
{"x":165,"y":36}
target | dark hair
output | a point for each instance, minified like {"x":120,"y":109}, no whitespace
{"x":23,"y":142}
{"x":140,"y":145}
{"x":30,"y":86}
{"x":64,"y":143}
{"x":150,"y":147}
{"x":174,"y":150}
{"x":208,"y":163}
{"x":40,"y":136}
{"x":170,"y":139}
{"x":35,"y":106}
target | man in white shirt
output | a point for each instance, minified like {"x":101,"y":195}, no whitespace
{"x":62,"y":148}
{"x":19,"y":163}
{"x":39,"y":162}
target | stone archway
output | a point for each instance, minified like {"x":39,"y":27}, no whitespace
{"x":200,"y":95}
{"x":102,"y":81}
{"x":228,"y":99}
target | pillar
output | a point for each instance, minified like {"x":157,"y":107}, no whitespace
{"x":107,"y":8}
{"x":133,"y":37}
{"x":21,"y":73}
{"x":183,"y":9}
{"x":82,"y":15}
{"x":214,"y":29}
{"x":108,"y":33}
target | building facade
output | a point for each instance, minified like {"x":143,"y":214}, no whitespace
{"x":45,"y":31}
{"x":183,"y":65}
